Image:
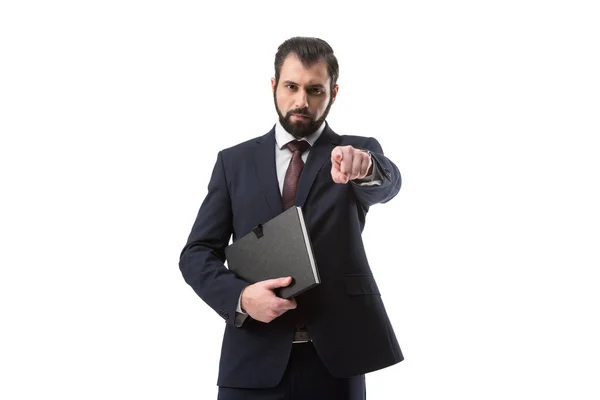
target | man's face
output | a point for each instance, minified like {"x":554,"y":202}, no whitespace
{"x":302,"y":96}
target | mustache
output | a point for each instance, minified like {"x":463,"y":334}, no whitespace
{"x":300,"y":111}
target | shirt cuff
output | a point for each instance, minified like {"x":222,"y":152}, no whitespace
{"x":240,"y":316}
{"x":239,"y":306}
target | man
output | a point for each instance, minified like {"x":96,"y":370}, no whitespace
{"x":320,"y":344}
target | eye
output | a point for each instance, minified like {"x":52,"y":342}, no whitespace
{"x":317,"y":91}
{"x":291,"y":86}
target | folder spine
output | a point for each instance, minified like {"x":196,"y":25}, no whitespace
{"x":308,"y":245}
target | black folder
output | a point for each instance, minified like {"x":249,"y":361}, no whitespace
{"x":277,"y":248}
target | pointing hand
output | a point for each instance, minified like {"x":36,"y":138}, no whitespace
{"x":348,"y":163}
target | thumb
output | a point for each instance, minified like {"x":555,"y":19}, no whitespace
{"x":277,"y":282}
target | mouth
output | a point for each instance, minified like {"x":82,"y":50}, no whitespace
{"x":301,"y":117}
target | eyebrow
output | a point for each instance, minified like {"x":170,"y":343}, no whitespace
{"x":313,"y":86}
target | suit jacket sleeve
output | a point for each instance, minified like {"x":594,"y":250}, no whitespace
{"x":202,"y":259}
{"x":391,"y":178}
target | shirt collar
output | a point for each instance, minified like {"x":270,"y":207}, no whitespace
{"x":283,"y":137}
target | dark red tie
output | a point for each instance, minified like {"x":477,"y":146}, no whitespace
{"x":292,"y":175}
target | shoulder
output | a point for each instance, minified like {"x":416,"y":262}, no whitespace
{"x":353,"y":139}
{"x":358,"y":141}
{"x":248,"y":146}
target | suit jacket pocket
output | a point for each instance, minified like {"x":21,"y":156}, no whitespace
{"x":357,"y":285}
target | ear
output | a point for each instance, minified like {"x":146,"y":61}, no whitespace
{"x":334,"y":93}
{"x":273,"y":84}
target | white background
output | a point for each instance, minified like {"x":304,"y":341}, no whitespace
{"x":111,"y":115}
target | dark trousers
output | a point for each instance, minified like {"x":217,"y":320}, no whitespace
{"x":305,"y":378}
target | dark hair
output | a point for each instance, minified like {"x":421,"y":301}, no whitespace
{"x":309,"y":50}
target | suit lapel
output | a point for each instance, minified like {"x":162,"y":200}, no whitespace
{"x":266,"y":171}
{"x":319,"y":154}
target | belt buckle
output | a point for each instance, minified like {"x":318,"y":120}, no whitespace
{"x":301,"y":336}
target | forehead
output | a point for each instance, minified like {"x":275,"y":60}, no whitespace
{"x":293,"y":70}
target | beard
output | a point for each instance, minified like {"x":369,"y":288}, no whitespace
{"x":301,"y":128}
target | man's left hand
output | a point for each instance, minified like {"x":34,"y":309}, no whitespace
{"x":348,"y":163}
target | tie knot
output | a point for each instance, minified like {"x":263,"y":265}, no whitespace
{"x":298,"y":145}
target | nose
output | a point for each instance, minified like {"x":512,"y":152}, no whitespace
{"x":300,"y":101}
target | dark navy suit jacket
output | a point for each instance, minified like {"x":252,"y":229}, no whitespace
{"x":345,"y":315}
